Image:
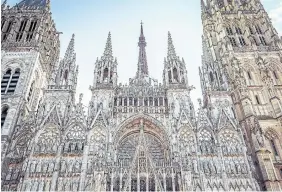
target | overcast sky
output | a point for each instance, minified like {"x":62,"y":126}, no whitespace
{"x":91,"y":20}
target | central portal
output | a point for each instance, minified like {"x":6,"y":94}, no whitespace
{"x":142,"y":159}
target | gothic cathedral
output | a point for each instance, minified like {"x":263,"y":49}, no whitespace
{"x":144,"y":135}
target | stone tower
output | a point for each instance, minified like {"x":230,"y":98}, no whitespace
{"x":242,"y":62}
{"x":29,"y":49}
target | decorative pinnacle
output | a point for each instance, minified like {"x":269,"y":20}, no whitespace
{"x":141,"y":29}
{"x":70,"y":50}
{"x":171,"y":50}
{"x":108,"y":49}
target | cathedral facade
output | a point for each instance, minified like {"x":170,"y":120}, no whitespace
{"x":143,"y":135}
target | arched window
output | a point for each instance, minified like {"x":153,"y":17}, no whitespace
{"x":4,"y":114}
{"x":156,"y":102}
{"x":238,"y":30}
{"x":5,"y":81}
{"x":175,"y":74}
{"x":14,"y":81}
{"x":21,"y":30}
{"x":229,"y":31}
{"x":31,"y":30}
{"x":105,"y":74}
{"x":233,"y":41}
{"x":262,"y":40}
{"x":258,"y":29}
{"x":7,"y":29}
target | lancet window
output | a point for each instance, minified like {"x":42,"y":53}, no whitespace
{"x":31,"y":30}
{"x":21,"y":30}
{"x":6,"y":29}
{"x":9,"y":82}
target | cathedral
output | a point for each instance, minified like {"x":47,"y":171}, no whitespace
{"x":144,"y":135}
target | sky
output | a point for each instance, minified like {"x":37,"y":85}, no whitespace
{"x":91,"y":20}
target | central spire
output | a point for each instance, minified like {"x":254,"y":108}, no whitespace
{"x":142,"y":60}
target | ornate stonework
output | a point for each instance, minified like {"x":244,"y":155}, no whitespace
{"x":140,"y":136}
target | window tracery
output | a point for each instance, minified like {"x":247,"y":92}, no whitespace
{"x":48,"y":141}
{"x":206,"y":142}
{"x":229,"y":142}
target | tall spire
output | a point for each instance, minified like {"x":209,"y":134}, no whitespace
{"x":170,"y":49}
{"x":108,"y":49}
{"x":142,"y":61}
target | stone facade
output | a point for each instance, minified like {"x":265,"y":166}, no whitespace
{"x":242,"y":60}
{"x":140,"y":136}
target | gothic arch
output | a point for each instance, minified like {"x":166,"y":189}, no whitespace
{"x":13,"y":64}
{"x":121,"y":130}
{"x":71,"y":127}
{"x":270,"y":133}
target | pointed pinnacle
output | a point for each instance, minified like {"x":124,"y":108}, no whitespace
{"x":171,"y":49}
{"x":108,"y":49}
{"x":141,"y":34}
{"x":70,"y":49}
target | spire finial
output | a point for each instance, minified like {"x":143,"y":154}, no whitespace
{"x":142,"y":27}
{"x":171,"y":50}
{"x":108,"y":49}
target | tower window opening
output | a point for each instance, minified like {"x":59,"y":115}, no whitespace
{"x":229,"y":31}
{"x":211,"y":77}
{"x":242,"y":41}
{"x":7,"y":31}
{"x":249,"y":75}
{"x":275,"y":75}
{"x":140,"y":101}
{"x":274,"y":147}
{"x":13,"y":82}
{"x":262,"y":40}
{"x":125,"y":101}
{"x":105,"y":74}
{"x":258,"y":29}
{"x":130,"y":101}
{"x":175,"y":74}
{"x":21,"y":30}
{"x":257,"y":99}
{"x":5,"y":81}
{"x":4,"y":114}
{"x":233,"y":42}
{"x":31,"y":30}
{"x":251,"y":30}
{"x":169,"y":76}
